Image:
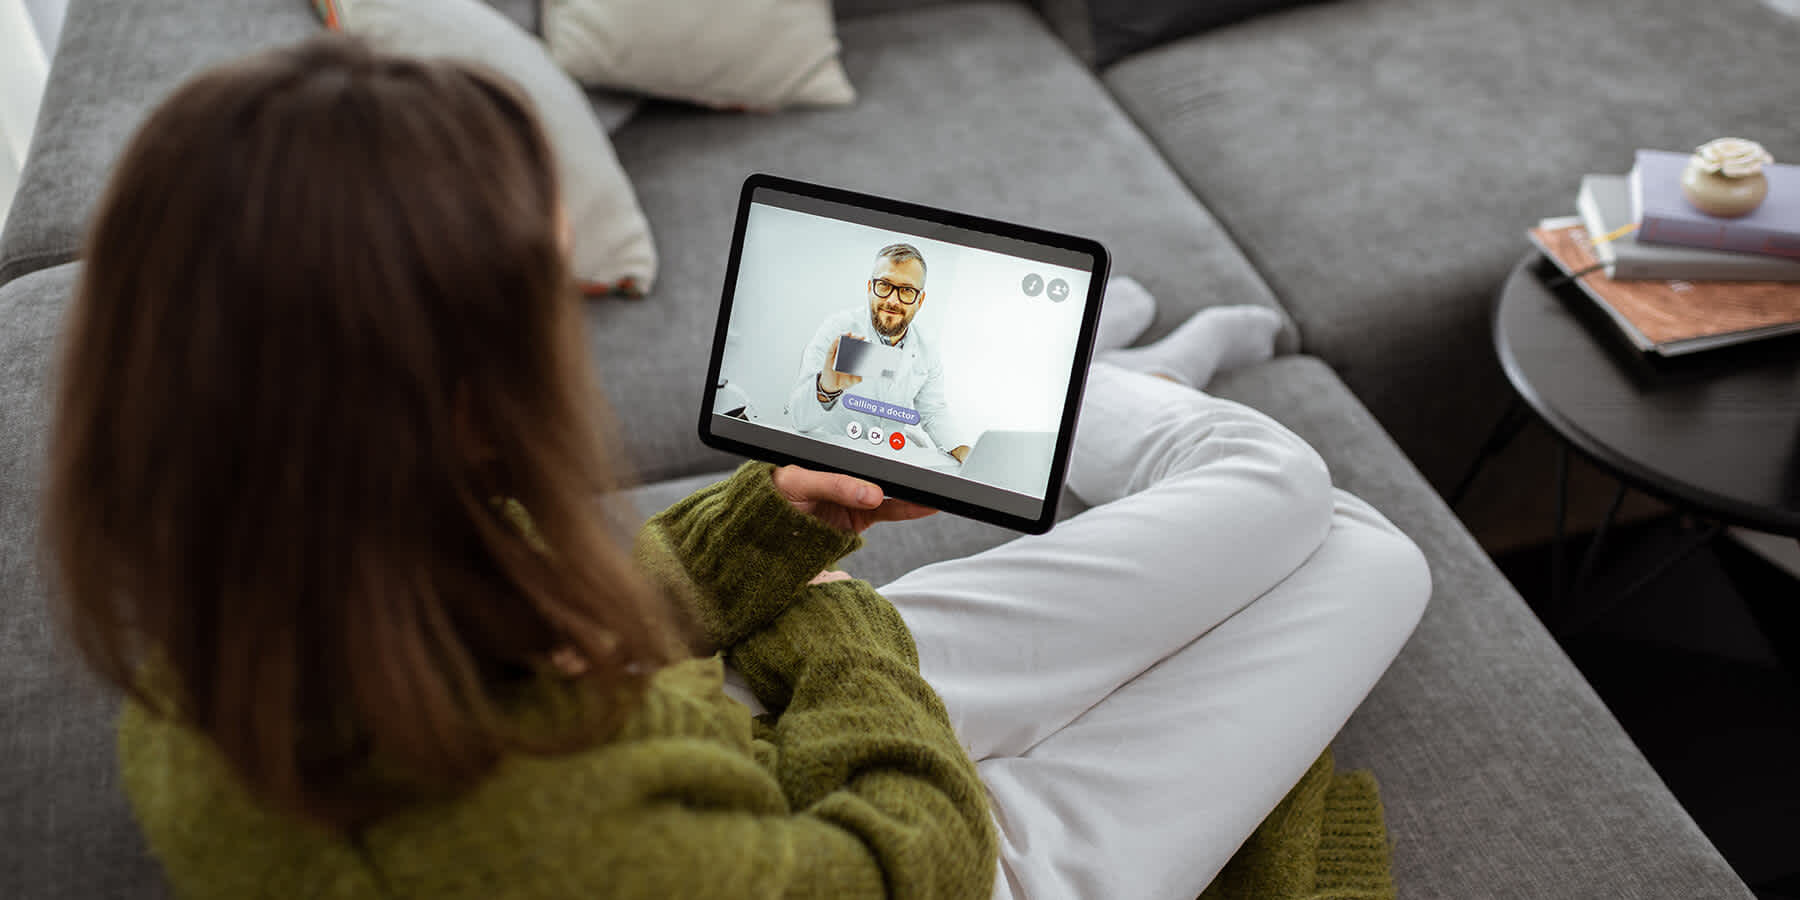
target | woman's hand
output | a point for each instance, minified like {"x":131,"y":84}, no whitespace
{"x":843,"y":502}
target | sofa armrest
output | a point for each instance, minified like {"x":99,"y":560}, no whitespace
{"x":113,"y":63}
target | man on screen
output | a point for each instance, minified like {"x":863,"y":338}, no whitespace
{"x":896,"y":293}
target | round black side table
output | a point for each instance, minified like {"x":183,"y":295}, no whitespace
{"x":1716,"y":435}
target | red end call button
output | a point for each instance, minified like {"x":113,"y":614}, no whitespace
{"x":896,"y":440}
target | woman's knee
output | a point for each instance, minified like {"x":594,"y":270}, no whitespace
{"x":1262,"y":456}
{"x":1392,"y":577}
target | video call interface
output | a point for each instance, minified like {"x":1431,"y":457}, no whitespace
{"x":944,"y":354}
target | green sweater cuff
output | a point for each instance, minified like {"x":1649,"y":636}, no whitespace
{"x":738,"y":553}
{"x":829,"y":627}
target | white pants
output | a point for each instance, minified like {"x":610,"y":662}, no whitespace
{"x":1141,"y":685}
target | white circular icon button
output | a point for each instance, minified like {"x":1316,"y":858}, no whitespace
{"x":854,"y":430}
{"x":875,"y":435}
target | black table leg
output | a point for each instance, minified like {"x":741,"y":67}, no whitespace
{"x":1511,"y":423}
{"x":1557,"y":536}
{"x":1592,"y":555}
{"x":1569,"y":607}
{"x":1700,"y":539}
{"x":1593,"y":614}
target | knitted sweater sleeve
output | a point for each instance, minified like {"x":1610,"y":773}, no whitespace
{"x":737,"y":553}
{"x":861,"y":746}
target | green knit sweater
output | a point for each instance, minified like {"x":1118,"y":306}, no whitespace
{"x":856,"y":787}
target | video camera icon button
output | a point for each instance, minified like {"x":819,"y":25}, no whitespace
{"x":875,"y":435}
{"x":1033,"y":285}
{"x":854,"y":430}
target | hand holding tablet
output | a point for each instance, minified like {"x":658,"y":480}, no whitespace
{"x":865,"y":334}
{"x":842,"y":501}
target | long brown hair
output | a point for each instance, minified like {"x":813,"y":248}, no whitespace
{"x":325,"y":320}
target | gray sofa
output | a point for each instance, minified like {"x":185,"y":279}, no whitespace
{"x":1253,"y":163}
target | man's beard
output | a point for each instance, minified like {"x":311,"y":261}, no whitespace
{"x":898,"y":329}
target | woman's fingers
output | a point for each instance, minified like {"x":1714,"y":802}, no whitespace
{"x":803,"y":487}
{"x":894,"y":510}
{"x":846,"y":502}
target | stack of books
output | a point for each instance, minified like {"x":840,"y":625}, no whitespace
{"x":1676,"y":280}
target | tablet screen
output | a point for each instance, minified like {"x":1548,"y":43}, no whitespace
{"x":904,"y":348}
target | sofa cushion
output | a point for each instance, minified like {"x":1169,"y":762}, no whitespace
{"x":1502,"y":772}
{"x":114,"y":62}
{"x":977,"y":107}
{"x":1380,"y":159}
{"x":856,"y":9}
{"x":1118,"y":28}
{"x":730,"y":55}
{"x":610,"y":250}
{"x":65,"y":828}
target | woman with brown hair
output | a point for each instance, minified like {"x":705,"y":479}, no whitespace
{"x":326,"y":321}
{"x":327,"y":501}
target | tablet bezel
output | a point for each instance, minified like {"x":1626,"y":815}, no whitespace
{"x":1084,"y":345}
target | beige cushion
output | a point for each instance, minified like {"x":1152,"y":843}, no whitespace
{"x":612,"y":249}
{"x":736,"y":54}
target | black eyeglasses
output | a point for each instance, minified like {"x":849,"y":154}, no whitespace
{"x":883,"y":288}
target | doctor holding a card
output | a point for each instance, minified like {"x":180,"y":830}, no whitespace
{"x":866,"y":367}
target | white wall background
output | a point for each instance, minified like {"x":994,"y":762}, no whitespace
{"x":1005,"y":354}
{"x":28,"y":32}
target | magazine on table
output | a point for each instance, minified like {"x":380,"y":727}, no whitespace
{"x":1671,"y":318}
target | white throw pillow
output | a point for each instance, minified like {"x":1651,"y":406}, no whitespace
{"x":734,"y":54}
{"x":612,"y":249}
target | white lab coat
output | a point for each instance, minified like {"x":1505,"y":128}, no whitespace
{"x":918,"y":384}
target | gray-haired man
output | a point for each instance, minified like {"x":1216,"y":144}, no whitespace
{"x":896,"y":293}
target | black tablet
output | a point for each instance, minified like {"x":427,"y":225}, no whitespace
{"x":939,"y":355}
